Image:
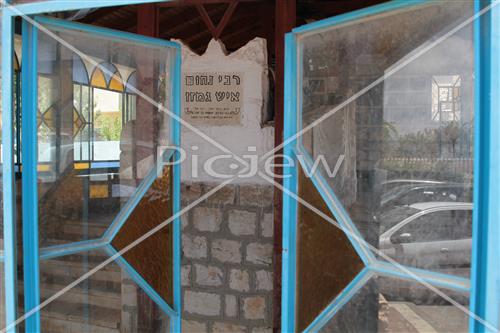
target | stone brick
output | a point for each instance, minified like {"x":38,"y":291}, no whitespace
{"x":185,"y":220}
{"x":231,"y":309}
{"x":191,"y":326}
{"x":190,"y":191}
{"x":209,"y":275}
{"x":267,"y":225}
{"x":260,"y":254}
{"x":254,"y":307}
{"x":207,"y":219}
{"x":239,"y":280}
{"x":186,"y":275}
{"x":219,"y":327}
{"x":262,"y":330}
{"x":256,"y":195}
{"x":264,"y":280}
{"x":226,"y":251}
{"x":202,"y":303}
{"x":224,"y":196}
{"x":242,"y":222}
{"x":194,"y":247}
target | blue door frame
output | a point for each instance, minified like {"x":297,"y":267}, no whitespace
{"x":32,"y":254}
{"x":484,"y":285}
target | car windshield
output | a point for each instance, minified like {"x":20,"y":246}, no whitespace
{"x":392,"y":217}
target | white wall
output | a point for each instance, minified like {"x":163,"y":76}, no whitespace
{"x":251,"y":60}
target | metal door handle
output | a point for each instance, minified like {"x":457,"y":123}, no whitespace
{"x":445,"y":250}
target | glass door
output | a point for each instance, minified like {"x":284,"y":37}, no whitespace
{"x":101,"y":236}
{"x":381,"y":213}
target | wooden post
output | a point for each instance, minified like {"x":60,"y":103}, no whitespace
{"x":145,"y":127}
{"x":285,"y":16}
{"x":145,"y":133}
{"x":147,"y":20}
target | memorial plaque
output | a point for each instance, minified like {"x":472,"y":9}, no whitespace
{"x":213,"y":98}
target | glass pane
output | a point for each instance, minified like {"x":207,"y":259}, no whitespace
{"x":151,"y":258}
{"x":403,"y":145}
{"x":326,"y":259}
{"x":25,"y":1}
{"x":393,"y":305}
{"x":91,"y":156}
{"x":109,"y":301}
{"x":2,"y":295}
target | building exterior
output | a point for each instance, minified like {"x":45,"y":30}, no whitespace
{"x":249,"y":166}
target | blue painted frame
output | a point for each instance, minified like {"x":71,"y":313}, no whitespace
{"x":30,"y":176}
{"x":485,"y":270}
{"x":9,"y":185}
{"x":177,"y":228}
{"x":289,"y":270}
{"x":134,"y":275}
{"x":32,"y":254}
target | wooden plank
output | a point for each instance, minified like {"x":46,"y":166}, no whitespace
{"x":197,"y":2}
{"x":99,"y":14}
{"x":184,"y":27}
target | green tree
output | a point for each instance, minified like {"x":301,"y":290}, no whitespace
{"x":109,"y":126}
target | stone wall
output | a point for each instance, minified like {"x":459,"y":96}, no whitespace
{"x":227,"y":269}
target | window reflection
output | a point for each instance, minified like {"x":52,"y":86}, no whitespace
{"x":389,"y":305}
{"x":407,"y":141}
{"x":94,"y":147}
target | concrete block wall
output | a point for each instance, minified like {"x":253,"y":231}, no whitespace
{"x":227,"y":268}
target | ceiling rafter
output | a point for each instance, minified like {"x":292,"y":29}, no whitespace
{"x":196,"y":2}
{"x":99,"y":14}
{"x":182,"y":24}
{"x":240,"y":17}
{"x":217,"y":30}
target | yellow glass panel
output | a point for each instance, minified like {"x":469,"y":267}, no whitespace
{"x":116,"y":83}
{"x":78,"y":123}
{"x":43,"y":167}
{"x":98,"y":79}
{"x":99,"y":191}
{"x":39,"y":119}
{"x":49,"y":118}
{"x":81,"y":166}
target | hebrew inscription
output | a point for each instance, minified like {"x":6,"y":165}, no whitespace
{"x":213,"y":99}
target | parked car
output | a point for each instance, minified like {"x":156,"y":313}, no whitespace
{"x":390,"y":184}
{"x":430,"y":235}
{"x":411,"y":194}
{"x":436,"y":236}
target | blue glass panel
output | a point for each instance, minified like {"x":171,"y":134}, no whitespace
{"x":80,"y":74}
{"x":131,"y":82}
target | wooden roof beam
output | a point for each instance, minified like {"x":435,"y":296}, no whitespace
{"x":202,"y":2}
{"x":206,"y":19}
{"x":217,"y":30}
{"x":225,"y":19}
{"x":98,"y":14}
{"x":148,"y":20}
{"x":177,"y":27}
